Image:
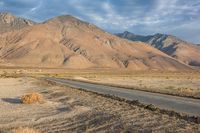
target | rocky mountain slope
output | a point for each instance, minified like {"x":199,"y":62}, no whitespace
{"x":8,"y":22}
{"x":67,"y":42}
{"x":171,"y":45}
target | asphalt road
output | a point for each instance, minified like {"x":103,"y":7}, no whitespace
{"x":179,"y":104}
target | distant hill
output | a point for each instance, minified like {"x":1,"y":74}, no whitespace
{"x":67,"y":42}
{"x":8,"y":22}
{"x":171,"y":45}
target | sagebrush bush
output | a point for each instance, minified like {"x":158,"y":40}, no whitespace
{"x":32,"y":98}
{"x":185,"y":90}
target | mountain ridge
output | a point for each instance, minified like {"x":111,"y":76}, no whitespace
{"x":9,"y":22}
{"x":169,"y":44}
{"x":67,"y":42}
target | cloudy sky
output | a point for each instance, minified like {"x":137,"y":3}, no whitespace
{"x":178,"y":17}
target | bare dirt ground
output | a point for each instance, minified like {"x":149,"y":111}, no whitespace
{"x":69,"y":110}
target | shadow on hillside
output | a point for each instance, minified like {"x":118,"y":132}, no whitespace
{"x":11,"y":100}
{"x":64,"y":109}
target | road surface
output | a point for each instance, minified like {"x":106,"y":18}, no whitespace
{"x":179,"y":104}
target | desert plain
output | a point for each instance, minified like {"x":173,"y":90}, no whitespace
{"x":67,"y":109}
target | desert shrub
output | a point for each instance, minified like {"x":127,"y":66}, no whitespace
{"x":169,"y":87}
{"x":185,"y":90}
{"x":24,"y":130}
{"x":167,"y":77}
{"x":32,"y":98}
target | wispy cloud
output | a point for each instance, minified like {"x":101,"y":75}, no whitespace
{"x":36,"y":7}
{"x":139,"y":16}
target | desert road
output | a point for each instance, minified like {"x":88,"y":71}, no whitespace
{"x":179,"y":104}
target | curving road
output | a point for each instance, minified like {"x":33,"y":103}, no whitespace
{"x":179,"y":104}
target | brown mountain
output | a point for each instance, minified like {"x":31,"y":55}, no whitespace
{"x":8,"y":22}
{"x":171,"y":45}
{"x":68,"y":42}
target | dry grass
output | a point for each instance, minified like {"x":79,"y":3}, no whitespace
{"x":181,"y":84}
{"x":185,"y":90}
{"x":24,"y":130}
{"x":32,"y":98}
{"x":71,"y":110}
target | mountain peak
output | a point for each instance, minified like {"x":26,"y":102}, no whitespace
{"x":171,"y":45}
{"x":64,"y":19}
{"x":159,"y":34}
{"x":127,"y":32}
{"x":7,"y":17}
{"x":9,"y":22}
{"x":5,"y":14}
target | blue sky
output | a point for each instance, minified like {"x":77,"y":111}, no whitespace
{"x":178,"y":17}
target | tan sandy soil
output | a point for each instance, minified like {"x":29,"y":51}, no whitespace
{"x":15,"y":114}
{"x":70,"y":110}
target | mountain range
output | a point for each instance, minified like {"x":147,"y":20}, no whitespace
{"x":67,"y":42}
{"x":183,"y":51}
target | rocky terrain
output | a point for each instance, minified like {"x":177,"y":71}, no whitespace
{"x":67,"y":42}
{"x":171,"y":45}
{"x":8,"y":22}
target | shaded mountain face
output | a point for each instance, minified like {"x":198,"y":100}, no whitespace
{"x":171,"y":45}
{"x":67,"y":42}
{"x":8,"y":22}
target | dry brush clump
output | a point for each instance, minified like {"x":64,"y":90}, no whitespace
{"x":24,"y":130}
{"x":185,"y":90}
{"x":32,"y":98}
